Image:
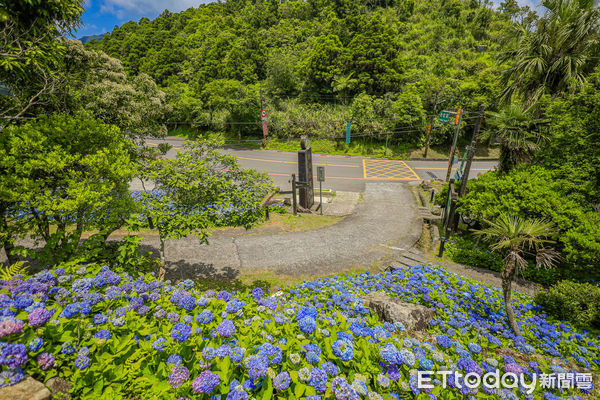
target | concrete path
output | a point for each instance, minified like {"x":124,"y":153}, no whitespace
{"x":385,"y":219}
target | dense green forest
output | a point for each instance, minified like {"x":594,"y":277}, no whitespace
{"x":322,"y":63}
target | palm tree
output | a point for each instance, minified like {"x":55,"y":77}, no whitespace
{"x":519,"y":134}
{"x":343,"y":84}
{"x":555,"y":56}
{"x":516,"y":238}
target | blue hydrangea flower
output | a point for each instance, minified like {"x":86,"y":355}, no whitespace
{"x":343,"y":349}
{"x":181,"y":332}
{"x":36,"y":344}
{"x":82,"y":362}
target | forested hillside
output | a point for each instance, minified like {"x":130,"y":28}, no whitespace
{"x":321,"y":63}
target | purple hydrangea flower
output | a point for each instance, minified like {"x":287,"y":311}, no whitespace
{"x":45,"y":360}
{"x":178,"y":375}
{"x":13,"y":355}
{"x":38,"y":317}
{"x":282,"y":381}
{"x":11,"y":377}
{"x":205,"y":382}
{"x":318,"y":379}
{"x":226,"y":328}
{"x":10,"y":325}
{"x":224,"y":295}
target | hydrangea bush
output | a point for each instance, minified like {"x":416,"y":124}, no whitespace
{"x":118,"y":336}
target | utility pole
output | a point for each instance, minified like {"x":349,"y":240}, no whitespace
{"x":471,"y":153}
{"x":453,"y":149}
{"x":430,"y":126}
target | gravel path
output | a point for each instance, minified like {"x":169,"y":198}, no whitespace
{"x":385,"y":218}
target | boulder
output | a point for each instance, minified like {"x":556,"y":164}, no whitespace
{"x":27,"y":389}
{"x":390,"y":309}
{"x":59,"y":387}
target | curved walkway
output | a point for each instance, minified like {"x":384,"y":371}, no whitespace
{"x":385,"y":220}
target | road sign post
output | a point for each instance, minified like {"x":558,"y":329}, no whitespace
{"x":444,"y":117}
{"x":348,"y":133}
{"x":321,"y":178}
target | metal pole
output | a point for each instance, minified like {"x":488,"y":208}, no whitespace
{"x":321,"y":196}
{"x":453,"y":149}
{"x":294,"y":203}
{"x":386,"y":142}
{"x":471,"y":154}
{"x":261,"y":108}
{"x":430,"y":127}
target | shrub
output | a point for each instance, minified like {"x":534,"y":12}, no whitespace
{"x":578,"y":303}
{"x":534,"y":192}
{"x":464,"y":250}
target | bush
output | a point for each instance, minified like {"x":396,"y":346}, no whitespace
{"x":578,"y":303}
{"x":464,"y":250}
{"x":534,"y":192}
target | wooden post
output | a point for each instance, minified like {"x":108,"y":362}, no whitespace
{"x":453,"y":149}
{"x":294,"y":202}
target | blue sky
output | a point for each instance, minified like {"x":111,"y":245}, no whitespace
{"x":102,"y":15}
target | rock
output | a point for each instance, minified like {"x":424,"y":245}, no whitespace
{"x":27,"y":389}
{"x":413,"y":316}
{"x":59,"y":387}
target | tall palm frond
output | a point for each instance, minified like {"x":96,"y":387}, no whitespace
{"x":557,"y":55}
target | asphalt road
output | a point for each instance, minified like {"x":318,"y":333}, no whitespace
{"x":344,"y":173}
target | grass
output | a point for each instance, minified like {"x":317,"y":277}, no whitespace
{"x":361,"y":147}
{"x":278,"y":223}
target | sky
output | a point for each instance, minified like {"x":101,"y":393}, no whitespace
{"x":102,"y":15}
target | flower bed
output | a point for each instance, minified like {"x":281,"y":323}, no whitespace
{"x":119,"y":336}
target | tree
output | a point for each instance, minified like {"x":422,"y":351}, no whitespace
{"x":519,"y":134}
{"x":198,"y":189}
{"x":517,"y":238}
{"x":29,"y":51}
{"x":61,"y":176}
{"x":99,"y":85}
{"x":557,"y":55}
{"x":239,"y":102}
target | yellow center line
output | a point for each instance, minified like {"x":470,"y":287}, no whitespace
{"x":294,"y":162}
{"x":364,"y":169}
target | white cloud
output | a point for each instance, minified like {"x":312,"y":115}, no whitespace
{"x":127,"y":9}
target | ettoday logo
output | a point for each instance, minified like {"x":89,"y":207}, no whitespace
{"x":508,"y":380}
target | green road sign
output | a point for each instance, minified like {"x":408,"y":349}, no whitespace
{"x":444,"y":117}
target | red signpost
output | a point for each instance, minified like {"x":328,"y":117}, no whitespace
{"x":263,"y":115}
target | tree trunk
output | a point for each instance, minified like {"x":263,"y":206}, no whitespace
{"x":163,"y":261}
{"x":508,"y":273}
{"x":8,"y":249}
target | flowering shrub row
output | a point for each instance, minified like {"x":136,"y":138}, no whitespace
{"x":119,"y":336}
